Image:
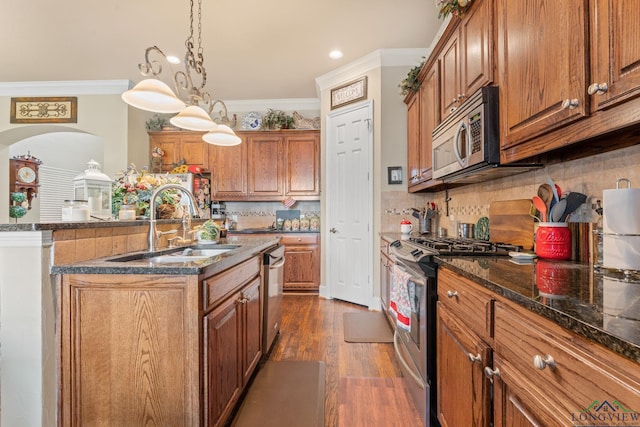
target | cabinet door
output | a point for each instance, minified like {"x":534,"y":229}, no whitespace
{"x":450,"y":94}
{"x":252,"y":328}
{"x":194,"y":150}
{"x":177,"y":146}
{"x":302,"y":262}
{"x":429,"y":119}
{"x":266,"y":172}
{"x":223,"y":361}
{"x":413,"y":139}
{"x":542,"y":66}
{"x":170,"y":147}
{"x":229,"y":171}
{"x":615,"y":53}
{"x":302,"y":168}
{"x":476,"y":48}
{"x":463,"y":390}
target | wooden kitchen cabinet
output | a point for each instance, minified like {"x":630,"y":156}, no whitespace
{"x":179,"y":145}
{"x":232,"y":337}
{"x":463,"y":349}
{"x":302,"y":261}
{"x":129,"y":350}
{"x":467,"y":58}
{"x":267,"y":166}
{"x":615,"y":53}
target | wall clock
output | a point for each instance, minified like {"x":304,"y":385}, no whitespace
{"x":23,"y":176}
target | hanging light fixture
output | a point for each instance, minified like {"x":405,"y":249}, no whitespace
{"x":192,"y":103}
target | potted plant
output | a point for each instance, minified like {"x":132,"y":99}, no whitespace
{"x":277,"y":119}
{"x":411,"y":83}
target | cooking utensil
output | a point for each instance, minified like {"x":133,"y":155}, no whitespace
{"x":558,"y":209}
{"x":541,"y":206}
{"x":546,"y":194}
{"x":574,"y":200}
{"x":553,"y":189}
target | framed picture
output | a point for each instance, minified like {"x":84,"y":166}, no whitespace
{"x":394,"y":174}
{"x":349,"y":93}
{"x":44,"y":110}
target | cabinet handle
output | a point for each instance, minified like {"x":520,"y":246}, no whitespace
{"x":473,"y":359}
{"x":491,"y":373}
{"x":461,"y":96}
{"x":596,"y":88}
{"x":542,"y":362}
{"x":243,"y":300}
{"x":570,"y":103}
{"x":451,"y":294}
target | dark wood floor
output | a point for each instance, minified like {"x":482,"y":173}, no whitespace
{"x":312,"y":329}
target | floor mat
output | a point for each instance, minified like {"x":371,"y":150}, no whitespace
{"x":285,"y":393}
{"x":369,"y":401}
{"x":367,"y":327}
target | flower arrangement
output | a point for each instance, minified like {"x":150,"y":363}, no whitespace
{"x":455,"y":7}
{"x":411,"y":83}
{"x":135,"y":188}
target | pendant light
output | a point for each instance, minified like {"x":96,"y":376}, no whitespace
{"x":193,"y":105}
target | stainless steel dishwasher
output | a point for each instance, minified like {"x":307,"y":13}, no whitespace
{"x":273,"y":265}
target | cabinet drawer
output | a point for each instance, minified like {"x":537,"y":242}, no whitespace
{"x":219,"y":286}
{"x":299,"y":239}
{"x":584,"y":371}
{"x":467,"y":301}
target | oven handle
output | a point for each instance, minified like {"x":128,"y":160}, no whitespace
{"x":277,"y":264}
{"x":418,"y":380}
{"x":415,"y":277}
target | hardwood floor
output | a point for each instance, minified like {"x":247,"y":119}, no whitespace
{"x":312,"y":329}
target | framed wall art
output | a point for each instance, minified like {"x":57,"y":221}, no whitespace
{"x":349,"y":93}
{"x":44,"y":110}
{"x":394,"y":174}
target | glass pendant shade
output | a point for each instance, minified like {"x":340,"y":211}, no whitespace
{"x":193,"y":118}
{"x":222,"y":135}
{"x":153,"y":95}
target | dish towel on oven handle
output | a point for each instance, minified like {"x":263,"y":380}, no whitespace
{"x":400,"y":298}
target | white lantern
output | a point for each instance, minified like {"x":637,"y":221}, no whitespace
{"x":95,"y":187}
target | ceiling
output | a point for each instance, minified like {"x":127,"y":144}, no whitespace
{"x":252,"y":49}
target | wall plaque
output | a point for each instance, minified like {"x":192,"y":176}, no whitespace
{"x":349,"y":93}
{"x":44,"y":110}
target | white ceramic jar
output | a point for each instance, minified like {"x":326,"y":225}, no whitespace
{"x":75,"y":210}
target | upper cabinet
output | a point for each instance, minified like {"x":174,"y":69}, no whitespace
{"x":615,"y":53}
{"x":542,"y":66}
{"x":267,"y":166}
{"x":467,"y":58}
{"x":569,"y":71}
{"x":180,"y":145}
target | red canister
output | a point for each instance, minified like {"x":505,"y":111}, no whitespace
{"x":553,"y":240}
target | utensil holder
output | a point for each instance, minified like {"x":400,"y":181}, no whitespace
{"x":553,"y":240}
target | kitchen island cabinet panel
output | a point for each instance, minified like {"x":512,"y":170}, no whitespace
{"x":115,"y":367}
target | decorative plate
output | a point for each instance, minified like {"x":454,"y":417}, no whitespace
{"x":251,"y":121}
{"x":481,"y":231}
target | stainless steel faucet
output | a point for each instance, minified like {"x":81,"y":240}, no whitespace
{"x":154,"y":234}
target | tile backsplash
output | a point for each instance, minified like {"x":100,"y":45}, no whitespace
{"x":263,"y":214}
{"x":590,"y":176}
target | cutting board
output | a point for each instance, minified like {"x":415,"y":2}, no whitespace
{"x":510,"y":222}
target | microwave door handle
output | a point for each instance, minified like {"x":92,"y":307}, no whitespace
{"x":461,"y":126}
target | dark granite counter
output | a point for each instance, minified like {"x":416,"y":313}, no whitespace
{"x":71,"y":225}
{"x":269,"y":230}
{"x":603,"y":306}
{"x":243,"y":248}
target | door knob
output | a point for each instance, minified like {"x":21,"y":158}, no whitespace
{"x":333,"y":230}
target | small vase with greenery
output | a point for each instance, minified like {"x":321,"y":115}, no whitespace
{"x":277,"y":119}
{"x":411,"y":83}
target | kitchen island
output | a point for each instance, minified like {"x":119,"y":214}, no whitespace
{"x":33,"y":258}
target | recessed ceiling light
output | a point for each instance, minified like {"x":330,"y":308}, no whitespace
{"x":173,"y":59}
{"x":335,"y":54}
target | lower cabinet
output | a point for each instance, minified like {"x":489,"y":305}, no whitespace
{"x":165,"y":350}
{"x":232,"y":337}
{"x":523,"y":369}
{"x":302,"y":262}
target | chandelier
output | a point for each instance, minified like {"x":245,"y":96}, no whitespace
{"x":193,"y":104}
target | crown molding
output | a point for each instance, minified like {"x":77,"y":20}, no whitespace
{"x":376,"y":59}
{"x":64,"y":88}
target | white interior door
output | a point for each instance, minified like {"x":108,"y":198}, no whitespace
{"x":349,"y":203}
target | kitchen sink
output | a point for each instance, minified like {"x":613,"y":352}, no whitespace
{"x":188,"y":254}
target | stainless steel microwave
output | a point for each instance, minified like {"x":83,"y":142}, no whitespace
{"x":466,"y":145}
{"x":469,"y":137}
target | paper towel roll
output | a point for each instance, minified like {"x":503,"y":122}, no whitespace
{"x":620,"y":298}
{"x":621,"y":210}
{"x":621,"y":252}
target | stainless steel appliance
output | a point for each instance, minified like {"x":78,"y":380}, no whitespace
{"x":416,"y":348}
{"x":272,"y":289}
{"x":466,"y":145}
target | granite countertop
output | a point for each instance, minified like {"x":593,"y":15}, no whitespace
{"x":598,"y":304}
{"x":69,"y":225}
{"x":244,"y":247}
{"x":269,"y":230}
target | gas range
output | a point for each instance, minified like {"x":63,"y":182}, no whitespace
{"x":423,"y":248}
